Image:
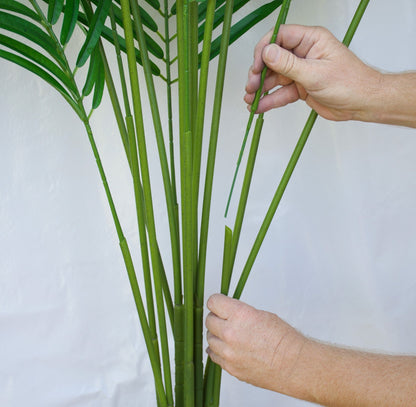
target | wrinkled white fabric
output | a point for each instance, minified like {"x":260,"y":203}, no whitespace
{"x":338,"y":263}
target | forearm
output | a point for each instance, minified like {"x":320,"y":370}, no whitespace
{"x":336,"y":377}
{"x":393,"y":100}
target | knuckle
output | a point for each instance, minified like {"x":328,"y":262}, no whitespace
{"x":228,"y":335}
{"x":208,"y":320}
{"x":228,"y":355}
{"x":288,"y":64}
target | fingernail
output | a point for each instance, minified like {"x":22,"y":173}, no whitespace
{"x":271,"y":52}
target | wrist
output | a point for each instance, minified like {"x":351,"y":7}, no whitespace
{"x":390,"y":99}
{"x":288,"y":364}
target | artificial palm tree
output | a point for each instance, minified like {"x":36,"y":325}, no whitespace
{"x":35,"y":35}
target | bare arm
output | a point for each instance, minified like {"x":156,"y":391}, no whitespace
{"x":309,"y":63}
{"x":261,"y":349}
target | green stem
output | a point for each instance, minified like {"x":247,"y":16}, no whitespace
{"x":280,"y":20}
{"x":131,"y":273}
{"x":196,"y":170}
{"x":185,"y":138}
{"x":275,"y":202}
{"x":200,"y":116}
{"x":170,"y":112}
{"x":245,"y":190}
{"x":226,"y":267}
{"x":49,"y":29}
{"x":120,"y":63}
{"x":140,"y":214}
{"x":291,"y":166}
{"x":193,"y":62}
{"x":161,"y":147}
{"x":202,"y":95}
{"x":209,"y":176}
{"x":141,"y":144}
{"x":179,"y":354}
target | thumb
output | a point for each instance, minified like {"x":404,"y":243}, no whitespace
{"x":284,"y":62}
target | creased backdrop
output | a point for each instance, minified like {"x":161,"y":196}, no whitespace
{"x":338,"y":263}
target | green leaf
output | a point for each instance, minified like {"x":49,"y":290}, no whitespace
{"x":99,"y":84}
{"x":54,"y":10}
{"x":219,"y":16}
{"x":31,"y":32}
{"x":152,"y":45}
{"x":202,"y":9}
{"x":30,"y":66}
{"x":154,"y":3}
{"x":70,"y":20}
{"x":107,"y":34}
{"x":240,"y":28}
{"x":148,"y":21}
{"x":95,"y":28}
{"x":92,"y":72}
{"x":17,"y":7}
{"x":38,"y":58}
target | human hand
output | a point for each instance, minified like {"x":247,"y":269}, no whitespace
{"x":309,"y":63}
{"x":254,"y":346}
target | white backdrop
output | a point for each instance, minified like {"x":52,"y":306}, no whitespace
{"x":338,"y":262}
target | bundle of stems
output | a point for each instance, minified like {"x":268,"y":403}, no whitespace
{"x":165,"y":310}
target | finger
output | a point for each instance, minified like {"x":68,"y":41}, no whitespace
{"x":215,"y":325}
{"x":215,"y":358}
{"x":271,"y":82}
{"x":253,"y":81}
{"x":294,"y":37}
{"x":300,"y":39}
{"x":279,"y":98}
{"x":215,"y":345}
{"x":286,"y":63}
{"x":258,"y":63}
{"x":222,"y":306}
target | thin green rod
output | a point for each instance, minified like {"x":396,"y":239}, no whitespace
{"x":180,"y":310}
{"x":123,"y":243}
{"x":175,"y":247}
{"x":253,"y":150}
{"x":193,"y":103}
{"x":209,"y":175}
{"x":196,"y":171}
{"x":245,"y":191}
{"x":280,"y":20}
{"x":185,"y":139}
{"x":130,"y":127}
{"x":141,"y":221}
{"x":120,"y":63}
{"x":202,"y":96}
{"x":291,"y":166}
{"x":138,"y":192}
{"x":141,"y":145}
{"x":169,"y":105}
{"x":193,"y":61}
{"x":131,"y":275}
{"x":115,"y":103}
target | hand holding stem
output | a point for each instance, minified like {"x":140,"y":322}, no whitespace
{"x":259,"y":348}
{"x":309,"y":63}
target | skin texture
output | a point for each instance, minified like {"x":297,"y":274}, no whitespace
{"x":310,"y":64}
{"x":259,"y":348}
